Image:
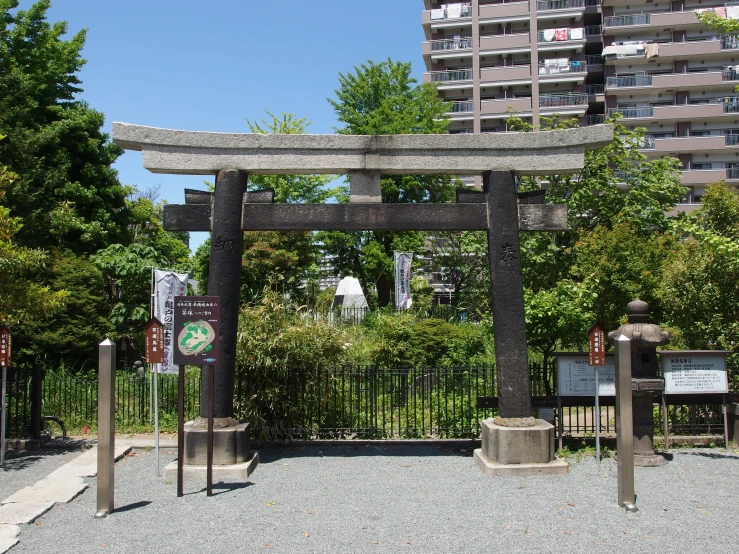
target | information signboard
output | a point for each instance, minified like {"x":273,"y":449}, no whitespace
{"x":694,"y":372}
{"x":154,"y":342}
{"x":195,"y":329}
{"x":576,"y":377}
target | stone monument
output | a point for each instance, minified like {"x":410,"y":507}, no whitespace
{"x":511,"y":442}
{"x":645,"y":338}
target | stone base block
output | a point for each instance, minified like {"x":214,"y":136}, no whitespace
{"x":642,"y":460}
{"x":230,"y":445}
{"x":233,"y":472}
{"x":518,"y":445}
{"x":555,"y":467}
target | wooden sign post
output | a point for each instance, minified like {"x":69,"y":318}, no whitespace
{"x":154,"y":355}
{"x":597,"y":358}
{"x":5,"y":362}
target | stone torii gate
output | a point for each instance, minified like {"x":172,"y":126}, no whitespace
{"x":498,"y":209}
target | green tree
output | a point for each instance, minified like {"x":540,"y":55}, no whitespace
{"x":70,"y":335}
{"x":22,"y":298}
{"x":66,"y":194}
{"x":383,"y":99}
{"x":611,"y":251}
{"x":699,"y":295}
{"x":283,"y":261}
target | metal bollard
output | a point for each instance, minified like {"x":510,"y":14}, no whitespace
{"x":106,"y":428}
{"x":624,"y":425}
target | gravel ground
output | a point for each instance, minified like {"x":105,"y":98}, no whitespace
{"x":403,"y":499}
{"x":24,"y":468}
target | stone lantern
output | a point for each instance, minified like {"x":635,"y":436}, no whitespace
{"x":645,"y":338}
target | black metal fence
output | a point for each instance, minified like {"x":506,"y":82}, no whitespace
{"x":342,"y":403}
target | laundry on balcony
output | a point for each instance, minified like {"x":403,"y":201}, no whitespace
{"x":718,"y":12}
{"x":629,"y":48}
{"x":454,"y":11}
{"x":576,"y":33}
{"x":561,"y":34}
{"x":651,"y":49}
{"x":554,"y":66}
{"x":437,"y":14}
{"x":732,"y":12}
{"x":548,"y":35}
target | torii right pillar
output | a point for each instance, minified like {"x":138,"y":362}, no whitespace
{"x":514,"y":443}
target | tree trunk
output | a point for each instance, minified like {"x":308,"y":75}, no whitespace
{"x":384,"y":288}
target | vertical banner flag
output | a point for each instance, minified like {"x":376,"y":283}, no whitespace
{"x":167,"y":285}
{"x":403,"y":279}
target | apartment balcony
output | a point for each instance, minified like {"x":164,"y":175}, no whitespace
{"x":515,"y":42}
{"x":554,"y":71}
{"x":458,"y":47}
{"x":595,"y":63}
{"x":704,"y":176}
{"x":570,"y":103}
{"x":501,"y":106}
{"x":449,"y":79}
{"x":447,"y":17}
{"x":505,"y":74}
{"x":694,"y":48}
{"x":562,"y":8}
{"x":510,"y":11}
{"x":614,"y":23}
{"x":719,"y":109}
{"x":561,"y":39}
{"x":688,"y":145}
{"x":461,"y":110}
{"x":674,"y":19}
{"x":596,"y":119}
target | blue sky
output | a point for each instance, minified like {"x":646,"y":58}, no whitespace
{"x":208,"y":66}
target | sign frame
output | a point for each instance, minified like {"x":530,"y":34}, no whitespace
{"x":669,"y":372}
{"x":205,"y":310}
{"x":154,"y":342}
{"x":610,"y":364}
{"x":597,"y":345}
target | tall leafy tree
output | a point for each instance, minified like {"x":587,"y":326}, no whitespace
{"x":22,"y":298}
{"x":66,"y":195}
{"x":285,"y":261}
{"x":383,"y":99}
{"x":699,"y":293}
{"x":615,"y":243}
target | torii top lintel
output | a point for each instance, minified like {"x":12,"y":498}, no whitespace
{"x":206,"y":153}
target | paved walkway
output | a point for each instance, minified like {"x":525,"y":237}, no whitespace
{"x":27,"y":504}
{"x":375,"y":498}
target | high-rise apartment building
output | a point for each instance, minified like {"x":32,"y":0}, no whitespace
{"x":652,"y":61}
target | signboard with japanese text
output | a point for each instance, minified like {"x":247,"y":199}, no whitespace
{"x":694,"y":371}
{"x":576,"y":377}
{"x":196,"y":329}
{"x":154,"y":342}
{"x":5,"y":346}
{"x":597,"y":345}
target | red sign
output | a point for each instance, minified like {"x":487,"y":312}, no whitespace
{"x":597,"y":345}
{"x":5,"y":346}
{"x":154,"y":342}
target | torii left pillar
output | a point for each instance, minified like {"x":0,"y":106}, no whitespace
{"x":231,"y":453}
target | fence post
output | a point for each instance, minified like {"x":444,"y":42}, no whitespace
{"x":37,"y":422}
{"x":624,"y":425}
{"x":106,"y":428}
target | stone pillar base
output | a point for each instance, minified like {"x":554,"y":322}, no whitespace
{"x":230,"y":445}
{"x":518,"y":450}
{"x":234,"y":472}
{"x":646,"y":460}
